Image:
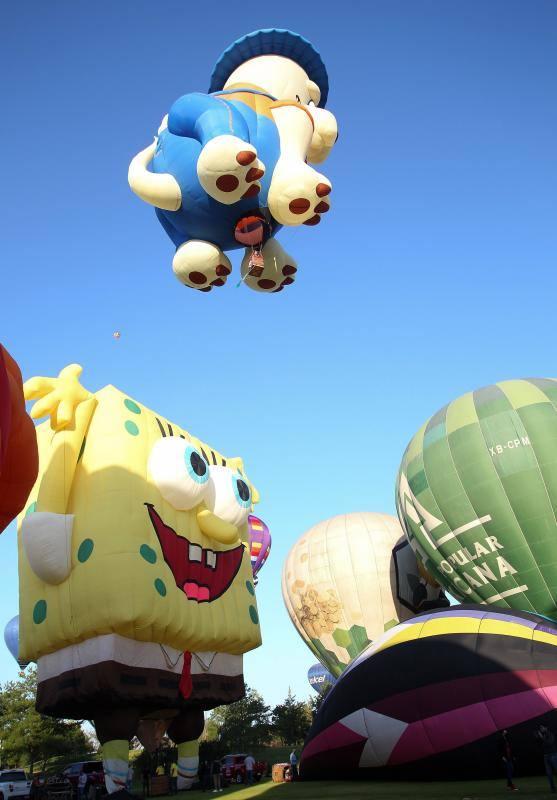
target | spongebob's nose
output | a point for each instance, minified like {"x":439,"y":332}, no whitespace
{"x":216,"y":528}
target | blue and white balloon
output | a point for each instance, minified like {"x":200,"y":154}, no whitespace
{"x":320,"y":678}
{"x":11,"y":637}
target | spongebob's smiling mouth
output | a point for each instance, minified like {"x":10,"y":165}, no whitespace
{"x":202,"y":574}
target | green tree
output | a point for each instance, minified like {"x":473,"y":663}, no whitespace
{"x":316,"y":700}
{"x":291,"y":720}
{"x":28,"y":737}
{"x":242,"y":725}
{"x":211,"y":730}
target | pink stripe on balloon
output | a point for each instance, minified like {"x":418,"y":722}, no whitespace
{"x":461,"y":726}
{"x":332,"y":738}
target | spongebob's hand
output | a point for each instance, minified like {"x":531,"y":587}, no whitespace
{"x":47,"y":540}
{"x":58,"y":397}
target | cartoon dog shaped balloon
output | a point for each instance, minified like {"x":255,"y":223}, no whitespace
{"x":229,"y":168}
{"x":136,"y":590}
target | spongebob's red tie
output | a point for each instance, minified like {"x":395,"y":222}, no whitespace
{"x":185,"y":686}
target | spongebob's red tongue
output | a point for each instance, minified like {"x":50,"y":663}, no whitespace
{"x":194,"y":591}
{"x":185,"y":686}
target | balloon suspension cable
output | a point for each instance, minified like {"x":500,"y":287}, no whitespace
{"x":256,"y":264}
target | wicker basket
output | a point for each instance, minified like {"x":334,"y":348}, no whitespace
{"x":278,"y":773}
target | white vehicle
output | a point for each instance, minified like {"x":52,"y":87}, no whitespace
{"x":13,"y":783}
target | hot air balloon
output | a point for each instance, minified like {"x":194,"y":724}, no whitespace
{"x":320,"y":678}
{"x":19,"y":460}
{"x":162,"y":613}
{"x":477,"y":495}
{"x":229,"y":168}
{"x":343,"y":585}
{"x":259,"y":543}
{"x":11,"y":638}
{"x":429,"y":698}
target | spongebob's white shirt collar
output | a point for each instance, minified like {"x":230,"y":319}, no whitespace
{"x":145,"y":655}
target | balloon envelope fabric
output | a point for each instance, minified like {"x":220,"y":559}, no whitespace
{"x":477,"y":495}
{"x":136,"y":590}
{"x":430,"y":698}
{"x":343,"y":585}
{"x":11,"y":638}
{"x":320,"y":678}
{"x":19,"y":460}
{"x":259,"y":540}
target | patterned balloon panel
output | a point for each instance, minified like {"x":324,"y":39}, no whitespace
{"x":259,"y":543}
{"x":430,"y":698}
{"x":343,"y":585}
{"x":477,"y":495}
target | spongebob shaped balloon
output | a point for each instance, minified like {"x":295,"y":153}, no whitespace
{"x":137,"y":598}
{"x":229,"y":168}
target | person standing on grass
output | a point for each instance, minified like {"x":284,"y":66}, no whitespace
{"x":174,"y":778}
{"x":215,"y":770}
{"x":81,"y":783}
{"x":35,"y":792}
{"x":507,"y":755}
{"x":203,"y":775}
{"x":546,"y":738}
{"x":146,"y":777}
{"x":249,"y":764}
{"x":294,"y":764}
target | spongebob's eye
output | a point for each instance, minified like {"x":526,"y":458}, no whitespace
{"x":196,"y":465}
{"x":180,"y":472}
{"x":228,"y":495}
{"x":242,"y":492}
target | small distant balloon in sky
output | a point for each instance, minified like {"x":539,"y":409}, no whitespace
{"x":116,"y":334}
{"x":11,"y":638}
{"x":320,"y":678}
{"x":259,"y":543}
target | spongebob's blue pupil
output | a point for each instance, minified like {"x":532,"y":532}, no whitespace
{"x":243,"y":490}
{"x":198,"y":464}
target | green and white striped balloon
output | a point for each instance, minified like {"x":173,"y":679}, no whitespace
{"x":477,"y":495}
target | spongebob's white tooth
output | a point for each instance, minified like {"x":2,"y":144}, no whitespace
{"x":195,"y":552}
{"x":211,"y":559}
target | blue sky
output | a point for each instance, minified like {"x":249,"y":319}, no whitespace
{"x":433,"y":274}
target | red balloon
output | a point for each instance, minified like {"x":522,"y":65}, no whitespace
{"x":249,"y":230}
{"x":19,"y":459}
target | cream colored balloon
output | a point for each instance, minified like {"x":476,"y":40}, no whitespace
{"x":340,"y":585}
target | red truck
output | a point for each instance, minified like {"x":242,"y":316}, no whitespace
{"x":233,"y":768}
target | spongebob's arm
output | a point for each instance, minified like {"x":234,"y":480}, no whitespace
{"x":46,"y":534}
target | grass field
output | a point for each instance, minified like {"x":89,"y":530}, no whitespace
{"x":529,"y":788}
